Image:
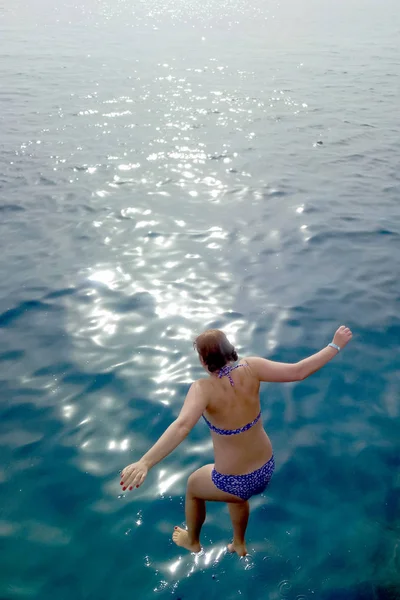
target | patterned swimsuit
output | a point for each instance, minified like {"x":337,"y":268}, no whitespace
{"x":243,"y":486}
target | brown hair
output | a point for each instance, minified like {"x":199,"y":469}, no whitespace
{"x":215,"y":349}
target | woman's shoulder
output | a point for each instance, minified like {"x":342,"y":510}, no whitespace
{"x":203,"y":383}
{"x":200,"y":384}
{"x":247,"y":361}
{"x":203,"y":388}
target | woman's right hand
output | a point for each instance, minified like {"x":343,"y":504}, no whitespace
{"x":134,"y":475}
{"x":342,"y":336}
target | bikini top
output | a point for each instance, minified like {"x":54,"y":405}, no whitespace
{"x":226,"y":371}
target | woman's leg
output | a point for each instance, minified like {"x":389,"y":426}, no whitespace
{"x":195,"y":511}
{"x":239,"y":513}
{"x":199,"y":489}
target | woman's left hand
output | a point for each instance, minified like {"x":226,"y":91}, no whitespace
{"x":134,"y":475}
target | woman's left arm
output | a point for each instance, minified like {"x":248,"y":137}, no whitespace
{"x":193,"y":407}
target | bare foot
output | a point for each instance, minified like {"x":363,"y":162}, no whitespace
{"x":240,"y":549}
{"x":181,"y":538}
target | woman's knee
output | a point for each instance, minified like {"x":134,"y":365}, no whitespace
{"x":199,"y":480}
{"x":191,"y":483}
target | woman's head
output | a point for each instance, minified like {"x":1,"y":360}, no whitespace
{"x":215,"y":350}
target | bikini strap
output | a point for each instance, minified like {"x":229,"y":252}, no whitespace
{"x":226,"y":371}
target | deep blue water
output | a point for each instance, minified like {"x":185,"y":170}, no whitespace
{"x":166,"y":167}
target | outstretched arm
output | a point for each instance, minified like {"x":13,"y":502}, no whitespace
{"x":268,"y":370}
{"x":193,"y":407}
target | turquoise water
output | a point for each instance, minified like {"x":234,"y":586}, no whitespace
{"x":166,"y":167}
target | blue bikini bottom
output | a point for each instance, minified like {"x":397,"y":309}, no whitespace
{"x":245,"y":486}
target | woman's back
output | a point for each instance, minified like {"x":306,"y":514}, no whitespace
{"x":233,"y":399}
{"x":233,"y":415}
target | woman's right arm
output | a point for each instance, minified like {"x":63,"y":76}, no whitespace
{"x":268,"y":370}
{"x":195,"y":403}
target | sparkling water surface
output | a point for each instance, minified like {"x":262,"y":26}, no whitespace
{"x":166,"y":167}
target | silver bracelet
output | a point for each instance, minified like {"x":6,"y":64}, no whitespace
{"x":332,"y":345}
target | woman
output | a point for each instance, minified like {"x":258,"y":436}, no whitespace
{"x":229,"y":402}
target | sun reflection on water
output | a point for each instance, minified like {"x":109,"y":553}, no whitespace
{"x":167,"y":481}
